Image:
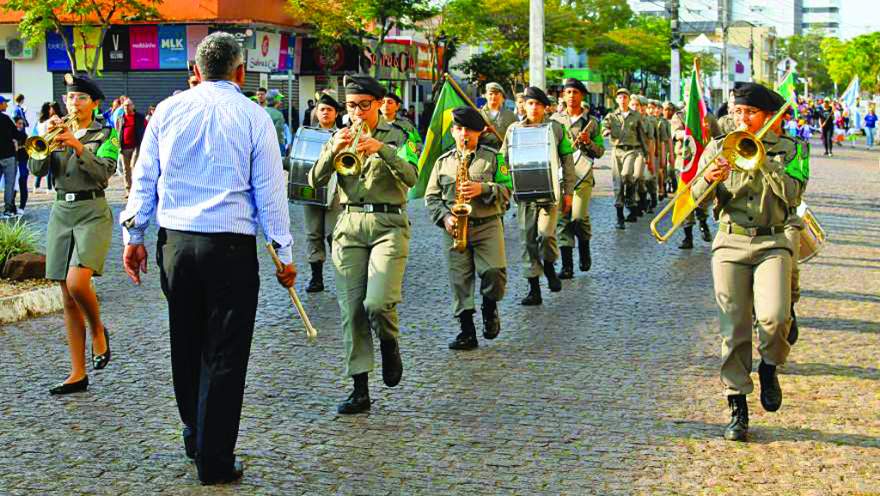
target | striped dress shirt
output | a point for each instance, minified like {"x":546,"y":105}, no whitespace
{"x":210,"y":163}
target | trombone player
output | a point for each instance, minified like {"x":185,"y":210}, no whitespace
{"x":485,"y":186}
{"x":371,"y":238}
{"x":751,"y":256}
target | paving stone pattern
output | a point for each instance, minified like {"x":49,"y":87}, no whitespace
{"x":610,"y":387}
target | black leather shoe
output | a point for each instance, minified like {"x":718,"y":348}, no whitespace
{"x":236,"y":474}
{"x":567,"y":271}
{"x":553,"y":281}
{"x":101,"y":361}
{"x":738,"y":428}
{"x":357,"y":402}
{"x":633,"y":215}
{"x":793,"y":330}
{"x":464,"y":342}
{"x":534,"y":296}
{"x":620,"y":219}
{"x":316,"y":283}
{"x":491,"y":321}
{"x":771,"y":393}
{"x":72,"y":387}
{"x":392,"y":365}
{"x":189,"y":443}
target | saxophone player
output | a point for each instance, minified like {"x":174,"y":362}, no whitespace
{"x":477,"y":176}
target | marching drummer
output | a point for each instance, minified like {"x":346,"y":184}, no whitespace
{"x":537,"y":221}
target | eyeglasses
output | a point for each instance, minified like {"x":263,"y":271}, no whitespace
{"x":363,"y":105}
{"x":79,"y":97}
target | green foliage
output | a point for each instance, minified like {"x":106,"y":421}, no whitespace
{"x":486,"y":67}
{"x":640,"y":45}
{"x":16,"y":238}
{"x":857,"y":57}
{"x":811,"y":62}
{"x":43,"y":16}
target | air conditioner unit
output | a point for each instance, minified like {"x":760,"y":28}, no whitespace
{"x":17,"y":49}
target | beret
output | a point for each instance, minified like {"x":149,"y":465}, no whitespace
{"x":494,"y":87}
{"x":535,"y":93}
{"x":83,"y":85}
{"x":622,"y":90}
{"x":328,"y":100}
{"x":363,"y":85}
{"x":574,"y":83}
{"x":394,"y":97}
{"x":468,"y":117}
{"x":758,"y":96}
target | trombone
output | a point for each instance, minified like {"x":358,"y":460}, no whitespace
{"x":40,"y":147}
{"x":743,"y":150}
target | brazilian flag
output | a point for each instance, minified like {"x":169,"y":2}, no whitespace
{"x":439,"y":138}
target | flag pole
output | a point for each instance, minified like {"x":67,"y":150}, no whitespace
{"x":469,"y":102}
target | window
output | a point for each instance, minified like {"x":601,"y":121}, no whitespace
{"x":821,"y":10}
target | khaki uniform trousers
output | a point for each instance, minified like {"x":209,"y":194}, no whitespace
{"x":793,"y":233}
{"x":537,"y":230}
{"x":320,"y":222}
{"x":751,"y":273}
{"x":579,"y":217}
{"x":369,"y":253}
{"x":484,"y":257}
{"x":625,"y":166}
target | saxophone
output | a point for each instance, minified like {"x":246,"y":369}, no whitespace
{"x":461,"y":209}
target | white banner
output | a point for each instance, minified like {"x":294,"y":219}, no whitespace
{"x":264,"y":56}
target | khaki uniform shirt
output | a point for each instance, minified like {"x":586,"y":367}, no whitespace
{"x":91,"y":170}
{"x":760,"y":198}
{"x":630,"y":131}
{"x":484,"y":167}
{"x":385,"y":177}
{"x":727,"y":124}
{"x":563,"y":148}
{"x":502,"y":121}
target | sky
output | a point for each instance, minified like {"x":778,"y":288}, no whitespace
{"x":859,"y":17}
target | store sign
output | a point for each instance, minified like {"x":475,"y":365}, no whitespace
{"x":264,"y":57}
{"x":246,"y":36}
{"x":309,"y":59}
{"x":85,"y":42}
{"x":56,"y":55}
{"x":116,"y":48}
{"x":285,"y":61}
{"x":172,"y":47}
{"x":397,"y":61}
{"x":423,"y":62}
{"x":144,"y":47}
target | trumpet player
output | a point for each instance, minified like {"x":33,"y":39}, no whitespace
{"x":371,"y":239}
{"x":751,"y":257}
{"x":537,"y":222}
{"x":585,"y":132}
{"x":477,"y":176}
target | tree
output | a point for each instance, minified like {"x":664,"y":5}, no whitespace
{"x":43,"y":16}
{"x":354,"y":21}
{"x":806,"y":52}
{"x":486,"y":67}
{"x":856,"y":57}
{"x":639,"y":47}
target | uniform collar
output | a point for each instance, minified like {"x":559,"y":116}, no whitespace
{"x":383,"y":125}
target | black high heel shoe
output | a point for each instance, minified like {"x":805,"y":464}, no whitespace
{"x":101,"y":361}
{"x":72,"y":387}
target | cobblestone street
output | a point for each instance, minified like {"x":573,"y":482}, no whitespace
{"x":610,"y":387}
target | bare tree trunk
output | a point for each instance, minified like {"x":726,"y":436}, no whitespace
{"x":67,"y":48}
{"x":94,"y":68}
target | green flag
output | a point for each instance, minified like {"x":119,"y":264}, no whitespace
{"x":788,"y":90}
{"x":439,"y":138}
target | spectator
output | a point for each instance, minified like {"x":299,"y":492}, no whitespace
{"x":411,"y":113}
{"x":18,"y":110}
{"x":274,"y":113}
{"x":47,"y":111}
{"x":117,"y":110}
{"x":870,"y":124}
{"x":307,"y":115}
{"x":21,"y":157}
{"x":130,"y":128}
{"x":826,"y":123}
{"x":150,"y":110}
{"x":8,"y":167}
{"x":520,"y":106}
{"x":261,"y":96}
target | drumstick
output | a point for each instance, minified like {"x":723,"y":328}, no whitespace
{"x":311,"y":332}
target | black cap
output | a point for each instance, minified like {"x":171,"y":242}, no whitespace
{"x":363,"y":85}
{"x":574,"y":83}
{"x":83,"y":85}
{"x":758,"y":96}
{"x":535,"y":93}
{"x":468,"y":117}
{"x":328,"y":100}
{"x":392,"y":95}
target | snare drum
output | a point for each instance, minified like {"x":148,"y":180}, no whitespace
{"x":304,"y":153}
{"x":534,"y":164}
{"x":812,"y":235}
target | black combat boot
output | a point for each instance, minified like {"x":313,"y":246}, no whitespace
{"x":620,"y":225}
{"x":771,"y":393}
{"x":653,"y":203}
{"x":316,"y":284}
{"x":553,"y":281}
{"x":491,"y":321}
{"x":633,"y":215}
{"x":793,"y":330}
{"x":738,"y":428}
{"x":359,"y":400}
{"x":467,"y":338}
{"x":567,"y":271}
{"x":534,"y":296}
{"x":704,"y":230}
{"x":392,"y":365}
{"x":584,"y":258}
{"x":688,"y":242}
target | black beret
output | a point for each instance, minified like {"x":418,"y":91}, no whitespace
{"x":328,"y":100}
{"x":468,"y":117}
{"x":363,"y":85}
{"x":758,"y":96}
{"x":83,"y":85}
{"x":392,"y":95}
{"x":574,"y":83}
{"x":535,"y":93}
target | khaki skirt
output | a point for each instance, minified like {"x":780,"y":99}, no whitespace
{"x":79,"y":235}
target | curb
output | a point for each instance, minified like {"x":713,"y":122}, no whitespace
{"x":31,"y":304}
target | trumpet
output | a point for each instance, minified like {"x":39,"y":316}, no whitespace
{"x":40,"y":147}
{"x":349,"y":162}
{"x":742,"y":149}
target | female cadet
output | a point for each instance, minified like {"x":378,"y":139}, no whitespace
{"x":80,"y":224}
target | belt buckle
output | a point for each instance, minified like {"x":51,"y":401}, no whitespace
{"x":368,"y":208}
{"x":70,"y":197}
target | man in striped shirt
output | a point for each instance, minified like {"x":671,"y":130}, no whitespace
{"x":210,"y":169}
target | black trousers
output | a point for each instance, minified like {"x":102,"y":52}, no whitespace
{"x":828,"y":138}
{"x":211,"y":282}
